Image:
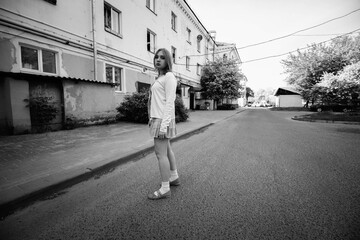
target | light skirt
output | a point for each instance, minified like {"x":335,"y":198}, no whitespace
{"x":155,"y":128}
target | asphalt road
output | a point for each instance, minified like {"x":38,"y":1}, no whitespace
{"x":257,"y":175}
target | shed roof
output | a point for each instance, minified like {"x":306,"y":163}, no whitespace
{"x":52,"y":77}
{"x":286,"y":91}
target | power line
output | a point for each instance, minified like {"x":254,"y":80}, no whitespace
{"x":317,"y":35}
{"x":305,"y":29}
{"x":283,"y":54}
{"x":279,"y":55}
{"x":278,"y":38}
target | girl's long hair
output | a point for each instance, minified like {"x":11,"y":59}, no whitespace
{"x":168,"y":59}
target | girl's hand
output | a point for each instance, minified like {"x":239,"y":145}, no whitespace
{"x":162,"y":134}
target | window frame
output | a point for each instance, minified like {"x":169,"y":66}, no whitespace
{"x":212,"y":51}
{"x":152,"y":34}
{"x":118,"y":87}
{"x":110,"y":29}
{"x":173,"y":21}
{"x":188,"y":35}
{"x":207,"y":48}
{"x":173,"y":53}
{"x":183,"y":89}
{"x":187,"y":64}
{"x":151,"y":7}
{"x":40,"y":60}
{"x":198,"y":45}
{"x":198,"y":69}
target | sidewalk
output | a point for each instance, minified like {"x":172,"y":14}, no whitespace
{"x":35,"y":164}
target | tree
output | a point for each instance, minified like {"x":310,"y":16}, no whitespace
{"x":341,"y":87}
{"x":263,"y":95}
{"x":221,"y":79}
{"x":306,"y":69}
{"x":249,"y":93}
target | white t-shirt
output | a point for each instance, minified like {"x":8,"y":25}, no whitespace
{"x":163,"y":94}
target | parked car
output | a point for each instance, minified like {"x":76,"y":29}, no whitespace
{"x":332,"y":107}
{"x":256,"y":104}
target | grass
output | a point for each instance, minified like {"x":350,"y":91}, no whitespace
{"x":298,"y":109}
{"x":331,"y":116}
{"x":326,"y":116}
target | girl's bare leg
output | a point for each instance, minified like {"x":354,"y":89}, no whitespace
{"x":161,"y":145}
{"x":171,"y":157}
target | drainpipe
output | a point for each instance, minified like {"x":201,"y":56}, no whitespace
{"x":94,"y":38}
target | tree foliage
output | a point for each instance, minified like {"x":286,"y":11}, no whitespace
{"x":221,"y":79}
{"x":306,"y":69}
{"x":341,"y":87}
{"x":249,"y":92}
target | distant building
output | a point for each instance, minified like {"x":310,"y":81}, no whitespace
{"x":228,"y":51}
{"x":288,"y":97}
{"x":87,"y":55}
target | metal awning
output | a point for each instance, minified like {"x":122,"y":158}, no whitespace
{"x":29,"y":76}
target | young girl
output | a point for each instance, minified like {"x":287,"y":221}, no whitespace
{"x":162,"y":122}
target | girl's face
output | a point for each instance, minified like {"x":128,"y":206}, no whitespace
{"x":160,"y":62}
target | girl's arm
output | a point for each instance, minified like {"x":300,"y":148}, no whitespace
{"x":170,"y":95}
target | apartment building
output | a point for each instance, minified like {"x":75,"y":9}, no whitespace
{"x":86,"y":55}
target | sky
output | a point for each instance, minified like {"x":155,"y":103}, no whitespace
{"x":247,"y":22}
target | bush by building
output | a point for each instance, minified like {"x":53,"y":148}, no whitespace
{"x":181,"y":113}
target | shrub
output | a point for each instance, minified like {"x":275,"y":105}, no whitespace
{"x":181,"y":113}
{"x":43,"y":111}
{"x":134,"y":108}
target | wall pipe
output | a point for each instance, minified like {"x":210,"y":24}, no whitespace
{"x":94,"y":38}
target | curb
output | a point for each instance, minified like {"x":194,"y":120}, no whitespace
{"x":11,"y":206}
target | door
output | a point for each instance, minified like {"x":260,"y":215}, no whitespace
{"x":192,"y":100}
{"x":46,"y":108}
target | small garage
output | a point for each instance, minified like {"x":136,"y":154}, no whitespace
{"x":287,"y":97}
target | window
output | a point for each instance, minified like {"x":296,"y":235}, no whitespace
{"x":112,"y":18}
{"x":38,"y":59}
{"x":211,"y":47}
{"x":142,"y":87}
{"x":187,"y":63}
{"x":207,"y":48}
{"x":198,"y":44}
{"x":150,"y":37}
{"x":198,"y":69}
{"x":173,"y":54}
{"x":173,"y":21}
{"x":114,"y":75}
{"x":188,"y":35}
{"x":150,"y":4}
{"x":225,"y":57}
